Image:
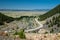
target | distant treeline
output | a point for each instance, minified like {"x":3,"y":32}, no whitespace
{"x":26,"y":17}
{"x":50,"y":13}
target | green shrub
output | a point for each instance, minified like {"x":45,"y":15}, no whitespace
{"x":47,"y":22}
{"x":51,"y":31}
{"x":1,"y":23}
{"x":46,"y":32}
{"x":21,"y":34}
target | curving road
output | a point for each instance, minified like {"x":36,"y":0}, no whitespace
{"x":40,"y":26}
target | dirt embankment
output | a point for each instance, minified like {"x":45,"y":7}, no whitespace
{"x":35,"y":36}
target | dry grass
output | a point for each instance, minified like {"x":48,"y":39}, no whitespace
{"x":22,"y":13}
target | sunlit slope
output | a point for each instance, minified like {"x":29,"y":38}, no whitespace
{"x":50,"y":13}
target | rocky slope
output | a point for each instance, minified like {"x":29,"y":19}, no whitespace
{"x":35,"y":36}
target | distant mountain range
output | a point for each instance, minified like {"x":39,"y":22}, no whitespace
{"x":24,"y":10}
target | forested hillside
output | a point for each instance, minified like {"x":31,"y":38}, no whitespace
{"x":4,"y":18}
{"x":50,"y":13}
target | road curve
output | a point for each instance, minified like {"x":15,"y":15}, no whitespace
{"x":40,"y":26}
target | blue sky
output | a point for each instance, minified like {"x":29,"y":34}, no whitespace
{"x":28,"y":4}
